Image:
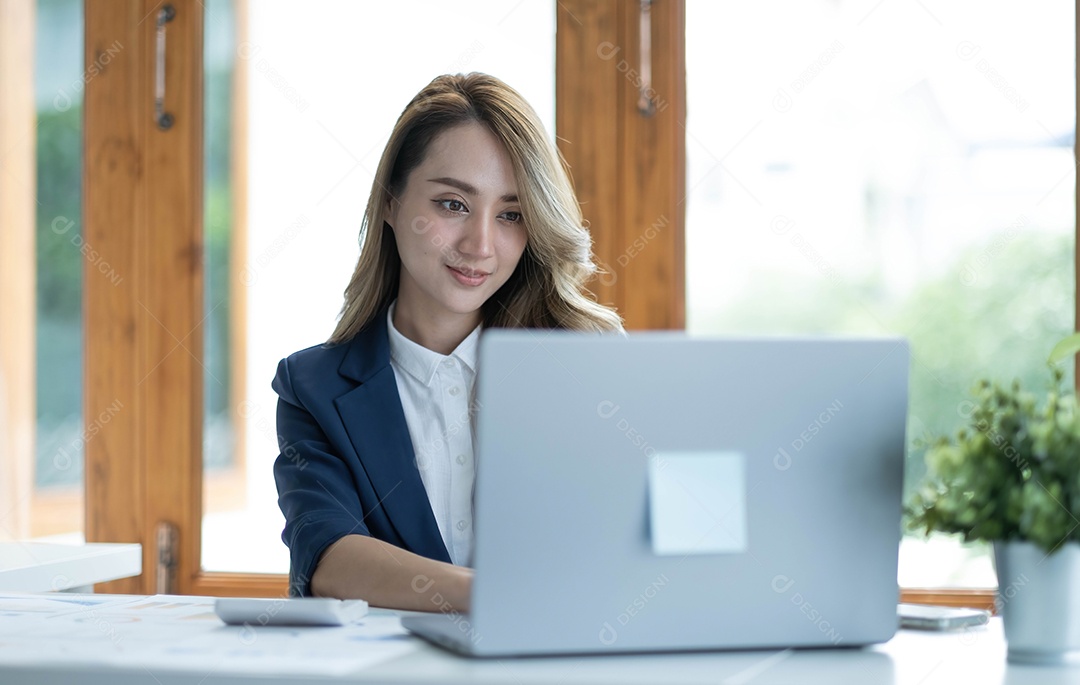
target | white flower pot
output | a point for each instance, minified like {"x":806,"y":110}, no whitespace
{"x":1039,"y":598}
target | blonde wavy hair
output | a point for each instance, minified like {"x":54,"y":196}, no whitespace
{"x":546,"y":289}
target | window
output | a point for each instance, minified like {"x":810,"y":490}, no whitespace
{"x":44,"y":253}
{"x":888,"y":169}
{"x":846,"y":183}
{"x":62,"y":254}
{"x":318,"y":76}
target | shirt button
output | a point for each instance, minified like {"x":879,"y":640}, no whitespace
{"x":448,"y":363}
{"x":461,"y":525}
{"x":461,"y":458}
{"x":454,"y":391}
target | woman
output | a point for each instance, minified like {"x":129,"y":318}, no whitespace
{"x":472,"y":222}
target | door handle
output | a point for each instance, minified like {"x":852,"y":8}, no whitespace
{"x":163,"y":119}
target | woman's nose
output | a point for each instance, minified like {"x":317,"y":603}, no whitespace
{"x":479,"y":237}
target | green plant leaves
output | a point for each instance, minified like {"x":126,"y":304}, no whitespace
{"x":1066,"y":348}
{"x":1013,"y":473}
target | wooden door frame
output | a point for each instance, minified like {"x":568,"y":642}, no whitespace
{"x":143,"y":212}
{"x":629,"y":167}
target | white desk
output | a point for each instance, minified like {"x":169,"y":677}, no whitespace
{"x":174,"y":641}
{"x":49,"y":567}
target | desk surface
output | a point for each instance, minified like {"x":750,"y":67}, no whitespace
{"x":49,"y":567}
{"x":172,"y":640}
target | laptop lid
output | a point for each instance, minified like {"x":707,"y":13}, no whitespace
{"x":660,"y":492}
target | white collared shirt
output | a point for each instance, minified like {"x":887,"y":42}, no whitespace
{"x":436,"y":393}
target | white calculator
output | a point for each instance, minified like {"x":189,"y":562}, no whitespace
{"x":299,"y":611}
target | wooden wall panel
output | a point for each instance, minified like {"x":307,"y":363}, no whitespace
{"x":143,"y":215}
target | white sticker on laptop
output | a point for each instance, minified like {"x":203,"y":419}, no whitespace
{"x":697,"y":502}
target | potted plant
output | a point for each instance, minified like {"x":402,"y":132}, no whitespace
{"x":1011,"y":477}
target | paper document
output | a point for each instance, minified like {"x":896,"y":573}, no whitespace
{"x":166,"y":633}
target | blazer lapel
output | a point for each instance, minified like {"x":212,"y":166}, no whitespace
{"x":376,"y":426}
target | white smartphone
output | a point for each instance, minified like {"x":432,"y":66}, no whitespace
{"x":300,"y":611}
{"x":928,"y":617}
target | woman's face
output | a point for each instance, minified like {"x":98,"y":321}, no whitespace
{"x":458,"y":225}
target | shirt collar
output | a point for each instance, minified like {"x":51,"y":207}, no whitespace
{"x":467,"y":350}
{"x":422,"y":363}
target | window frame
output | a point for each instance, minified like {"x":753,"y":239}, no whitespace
{"x":142,"y":209}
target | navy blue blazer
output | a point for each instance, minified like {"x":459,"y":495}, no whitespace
{"x":347,"y":463}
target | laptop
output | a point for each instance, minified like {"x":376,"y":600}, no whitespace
{"x":659,"y":492}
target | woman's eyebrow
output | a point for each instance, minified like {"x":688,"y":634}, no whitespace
{"x":468,"y":188}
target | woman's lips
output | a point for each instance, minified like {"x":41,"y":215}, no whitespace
{"x":468,"y":276}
